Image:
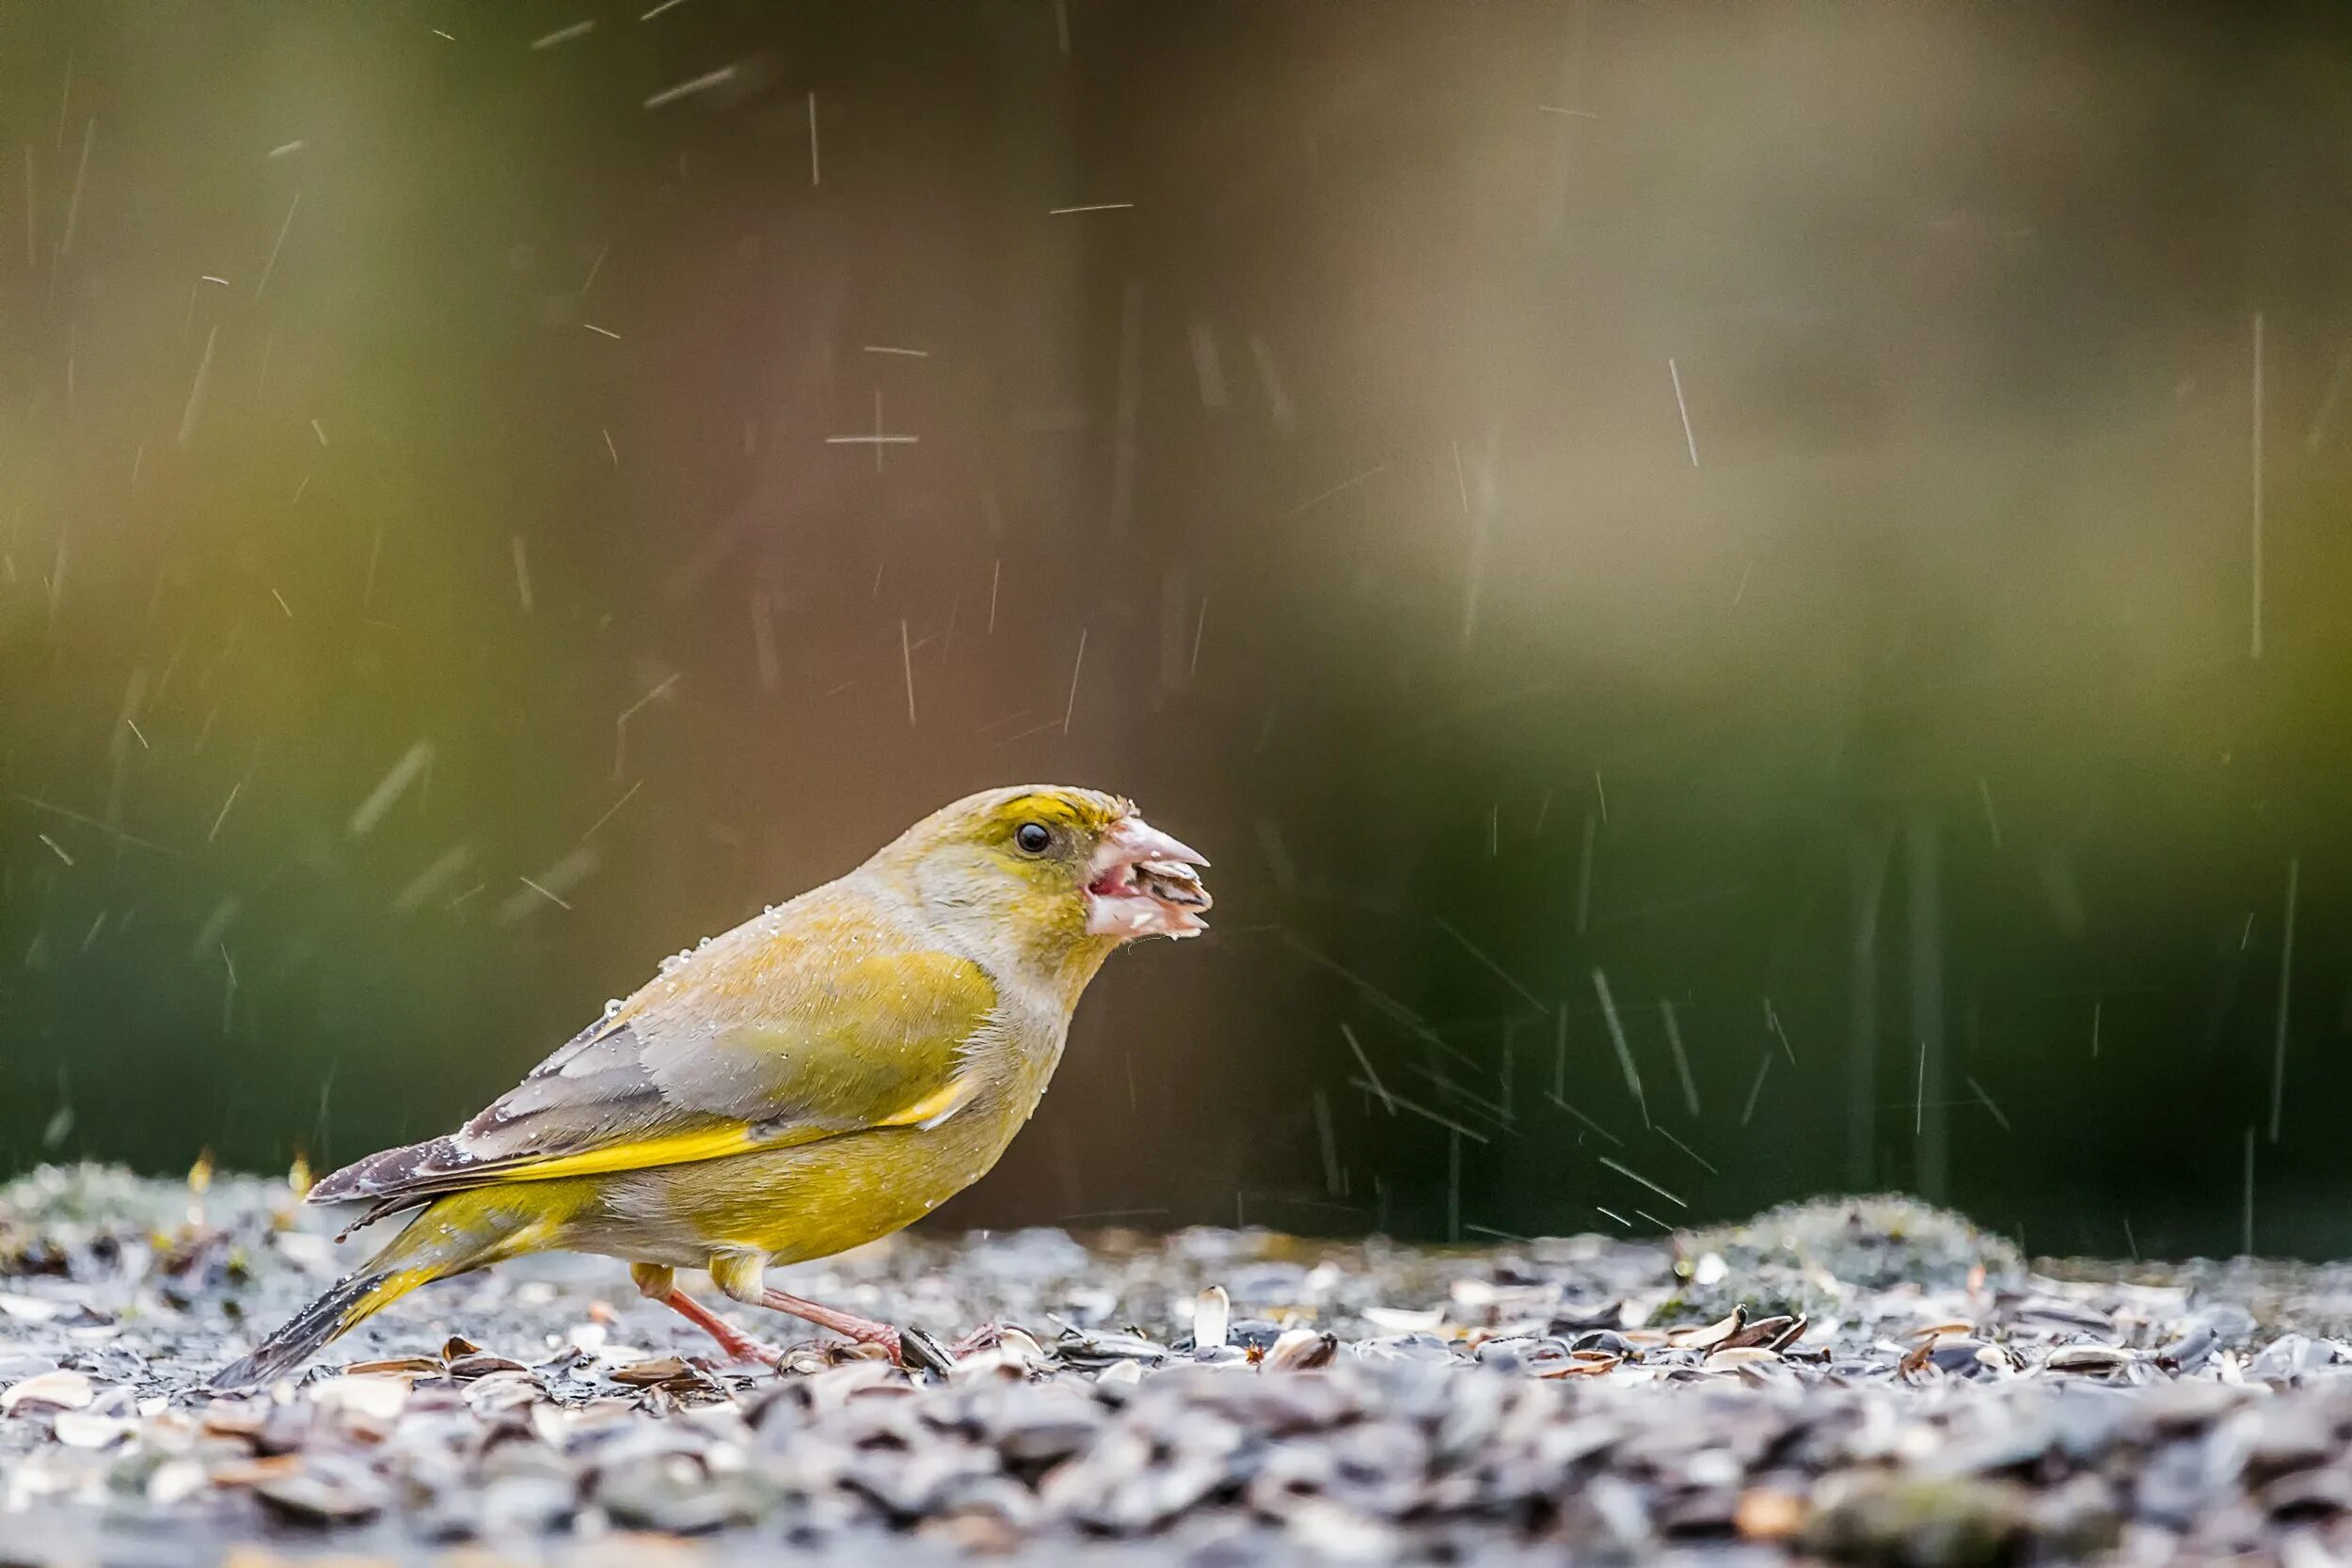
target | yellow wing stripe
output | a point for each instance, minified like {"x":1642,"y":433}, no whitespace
{"x":933,"y":1108}
{"x":679,"y":1148}
{"x":675,"y":1149}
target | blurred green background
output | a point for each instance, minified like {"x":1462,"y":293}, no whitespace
{"x":1739,"y":517}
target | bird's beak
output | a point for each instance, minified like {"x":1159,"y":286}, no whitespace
{"x":1142,"y":883}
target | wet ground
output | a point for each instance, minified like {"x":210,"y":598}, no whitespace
{"x":1864,"y":1381}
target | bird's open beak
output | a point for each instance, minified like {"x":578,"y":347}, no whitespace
{"x":1142,"y":883}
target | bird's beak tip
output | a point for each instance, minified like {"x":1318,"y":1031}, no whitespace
{"x":1138,"y":840}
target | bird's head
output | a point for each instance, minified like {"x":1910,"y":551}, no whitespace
{"x":1049,"y":876}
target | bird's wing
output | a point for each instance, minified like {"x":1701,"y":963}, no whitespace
{"x":782,"y":1031}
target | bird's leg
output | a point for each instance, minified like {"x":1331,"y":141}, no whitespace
{"x":657,"y":1283}
{"x":653,"y":1281}
{"x":739,"y":1346}
{"x":743,"y":1277}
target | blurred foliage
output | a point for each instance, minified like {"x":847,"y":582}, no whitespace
{"x":1754,"y":506}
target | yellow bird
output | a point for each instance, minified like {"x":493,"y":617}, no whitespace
{"x":818,"y":1077}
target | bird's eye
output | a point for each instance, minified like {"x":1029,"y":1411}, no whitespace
{"x":1032,"y":837}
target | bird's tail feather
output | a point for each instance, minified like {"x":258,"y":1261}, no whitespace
{"x":346,"y":1302}
{"x":452,"y":1235}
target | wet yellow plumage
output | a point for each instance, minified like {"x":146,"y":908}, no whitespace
{"x":818,"y":1077}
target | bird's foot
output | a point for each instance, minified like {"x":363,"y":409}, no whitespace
{"x":908,"y":1349}
{"x":986,"y":1337}
{"x":904,"y":1348}
{"x":744,"y":1349}
{"x":737,"y":1345}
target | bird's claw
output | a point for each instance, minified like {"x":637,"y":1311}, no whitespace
{"x":908,"y":1349}
{"x":986,"y":1337}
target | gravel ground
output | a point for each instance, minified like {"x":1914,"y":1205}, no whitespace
{"x":1864,"y":1381}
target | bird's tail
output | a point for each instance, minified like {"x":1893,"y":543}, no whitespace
{"x":346,"y":1302}
{"x":453,"y":1235}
